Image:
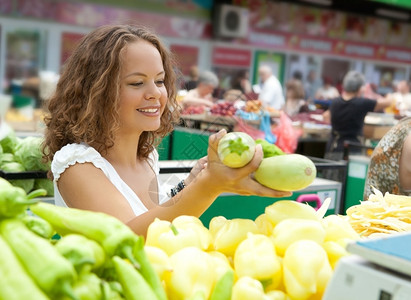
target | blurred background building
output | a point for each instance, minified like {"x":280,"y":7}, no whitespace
{"x":323,"y":38}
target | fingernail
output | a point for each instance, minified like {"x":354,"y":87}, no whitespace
{"x":221,"y":132}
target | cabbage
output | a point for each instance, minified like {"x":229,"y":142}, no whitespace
{"x":29,"y":154}
{"x":9,"y":142}
{"x":15,"y":167}
{"x":5,"y":158}
{"x":44,"y":183}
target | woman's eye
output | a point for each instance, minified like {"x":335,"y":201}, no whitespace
{"x":136,"y":83}
{"x":160,"y":82}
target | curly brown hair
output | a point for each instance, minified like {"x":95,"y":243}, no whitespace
{"x":84,"y":107}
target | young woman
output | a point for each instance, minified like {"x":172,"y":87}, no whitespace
{"x":115,"y":99}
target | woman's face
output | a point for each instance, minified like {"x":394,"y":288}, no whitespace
{"x":143,"y":94}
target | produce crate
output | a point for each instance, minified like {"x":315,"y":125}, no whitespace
{"x":187,"y":143}
{"x":357,"y":174}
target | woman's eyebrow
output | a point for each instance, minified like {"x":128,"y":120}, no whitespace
{"x":142,"y":74}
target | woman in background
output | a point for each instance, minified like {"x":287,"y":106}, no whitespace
{"x":347,"y":113}
{"x":202,"y":95}
{"x":294,"y":98}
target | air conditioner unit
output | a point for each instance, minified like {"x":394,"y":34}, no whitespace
{"x":231,"y":21}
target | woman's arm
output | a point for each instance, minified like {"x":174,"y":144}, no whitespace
{"x":214,"y":179}
{"x":192,"y":98}
{"x":204,"y":185}
{"x":383,"y":102}
{"x":196,"y":101}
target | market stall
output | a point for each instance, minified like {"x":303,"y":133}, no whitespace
{"x":303,"y":247}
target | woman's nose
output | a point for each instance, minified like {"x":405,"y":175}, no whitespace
{"x":152,"y":92}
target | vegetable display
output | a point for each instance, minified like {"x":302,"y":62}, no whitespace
{"x":22,"y":155}
{"x":289,"y":252}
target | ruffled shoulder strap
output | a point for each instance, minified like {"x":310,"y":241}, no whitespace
{"x":153,"y":161}
{"x":75,"y":153}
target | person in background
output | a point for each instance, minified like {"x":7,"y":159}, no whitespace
{"x":294,"y":95}
{"x":369,"y":90}
{"x":390,"y":163}
{"x":347,"y":113}
{"x":240,"y":81}
{"x":311,"y":85}
{"x":104,"y":124}
{"x":240,"y":87}
{"x":202,"y":95}
{"x":401,"y":99}
{"x":327,"y":90}
{"x":191,"y":83}
{"x":297,"y":75}
{"x":271,"y":93}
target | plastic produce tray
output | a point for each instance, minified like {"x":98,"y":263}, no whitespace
{"x":23,"y":175}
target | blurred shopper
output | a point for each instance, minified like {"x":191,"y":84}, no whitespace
{"x":390,"y":165}
{"x":369,"y":90}
{"x":327,"y":90}
{"x":347,"y":113}
{"x":202,"y":95}
{"x":241,"y":81}
{"x":401,"y":99}
{"x":271,"y":93}
{"x":240,"y":87}
{"x":191,"y":83}
{"x":294,"y":98}
{"x":311,"y":85}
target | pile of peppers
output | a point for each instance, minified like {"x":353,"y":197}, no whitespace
{"x":50,"y":252}
{"x":47,"y":252}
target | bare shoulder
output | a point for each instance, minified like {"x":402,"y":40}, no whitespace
{"x":85,"y":186}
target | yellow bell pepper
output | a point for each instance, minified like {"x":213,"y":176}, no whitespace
{"x":276,"y":295}
{"x":264,"y":225}
{"x":256,"y":257}
{"x":215,"y":224}
{"x":285,"y":209}
{"x":290,"y":230}
{"x":306,"y":270}
{"x":221,"y":263}
{"x":247,"y":288}
{"x":337,"y":227}
{"x":334,"y":252}
{"x":232,"y":233}
{"x":183,"y":231}
{"x":192,"y":276}
{"x":159,"y":260}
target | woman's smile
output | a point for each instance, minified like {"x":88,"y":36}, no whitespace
{"x":151,"y":111}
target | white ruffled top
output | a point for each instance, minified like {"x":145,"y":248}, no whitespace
{"x":81,"y":153}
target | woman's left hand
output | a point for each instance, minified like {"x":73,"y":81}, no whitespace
{"x":198,"y":167}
